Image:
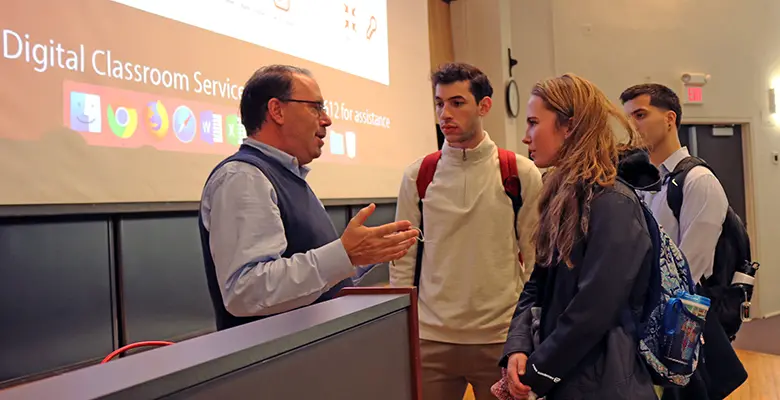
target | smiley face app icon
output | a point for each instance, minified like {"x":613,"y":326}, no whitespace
{"x":85,"y":112}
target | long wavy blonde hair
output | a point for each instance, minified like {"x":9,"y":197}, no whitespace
{"x":586,"y":161}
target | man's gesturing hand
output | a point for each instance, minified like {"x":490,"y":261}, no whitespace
{"x":371,"y":245}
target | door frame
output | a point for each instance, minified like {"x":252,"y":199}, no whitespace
{"x":747,"y":168}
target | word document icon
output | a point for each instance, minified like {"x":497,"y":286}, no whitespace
{"x":211,"y":127}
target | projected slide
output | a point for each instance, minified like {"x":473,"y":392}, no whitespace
{"x":349,"y":35}
{"x":120,"y":101}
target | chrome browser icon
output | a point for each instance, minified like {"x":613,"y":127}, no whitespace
{"x":122,"y":121}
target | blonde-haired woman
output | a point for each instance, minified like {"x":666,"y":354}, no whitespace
{"x":593,"y":253}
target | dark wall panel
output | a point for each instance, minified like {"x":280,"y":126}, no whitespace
{"x":383,"y":214}
{"x":163,"y":278}
{"x":56,"y":284}
{"x":338,"y":215}
{"x":55,"y":294}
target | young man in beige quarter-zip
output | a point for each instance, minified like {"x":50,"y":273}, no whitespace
{"x":470,"y":274}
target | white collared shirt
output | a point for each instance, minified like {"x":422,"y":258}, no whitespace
{"x":701,"y":217}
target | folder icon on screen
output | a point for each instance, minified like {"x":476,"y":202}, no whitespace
{"x":351,"y":144}
{"x":336,"y":143}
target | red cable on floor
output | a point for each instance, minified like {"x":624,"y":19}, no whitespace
{"x":133,"y":346}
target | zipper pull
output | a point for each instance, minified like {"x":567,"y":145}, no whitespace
{"x":464,"y":154}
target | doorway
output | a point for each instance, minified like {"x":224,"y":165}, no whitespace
{"x":721,"y":147}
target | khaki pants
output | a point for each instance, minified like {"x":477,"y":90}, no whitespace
{"x":448,"y":368}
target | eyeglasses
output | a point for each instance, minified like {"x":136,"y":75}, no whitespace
{"x":318,"y":106}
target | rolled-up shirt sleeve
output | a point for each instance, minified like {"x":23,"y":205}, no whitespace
{"x":247,"y":240}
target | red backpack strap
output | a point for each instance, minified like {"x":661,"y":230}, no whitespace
{"x":424,"y":178}
{"x":427,"y":169}
{"x":507,"y":161}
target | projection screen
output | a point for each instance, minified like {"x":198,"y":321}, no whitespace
{"x":125,"y":101}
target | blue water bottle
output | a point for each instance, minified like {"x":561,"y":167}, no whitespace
{"x":683,"y":324}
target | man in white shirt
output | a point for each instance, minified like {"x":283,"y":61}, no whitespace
{"x":470,"y":276}
{"x":656,"y":113}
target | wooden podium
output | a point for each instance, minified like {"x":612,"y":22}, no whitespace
{"x":414,"y":328}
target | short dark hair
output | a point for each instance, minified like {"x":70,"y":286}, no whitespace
{"x":456,"y":72}
{"x":269,"y":82}
{"x":660,"y":96}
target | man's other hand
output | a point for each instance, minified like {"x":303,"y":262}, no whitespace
{"x":370,"y":245}
{"x":514,"y":369}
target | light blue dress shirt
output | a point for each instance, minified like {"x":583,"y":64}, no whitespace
{"x":240,"y":210}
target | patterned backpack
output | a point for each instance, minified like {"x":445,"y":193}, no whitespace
{"x":669,"y":330}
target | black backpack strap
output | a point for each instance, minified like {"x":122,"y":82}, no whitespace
{"x":420,"y":250}
{"x":675,"y":182}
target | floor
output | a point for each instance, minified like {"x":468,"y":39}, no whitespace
{"x":763,"y":378}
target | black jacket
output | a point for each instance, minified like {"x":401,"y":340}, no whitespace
{"x":720,"y":371}
{"x":588,"y":348}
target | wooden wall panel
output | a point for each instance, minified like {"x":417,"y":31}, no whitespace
{"x":440,"y":33}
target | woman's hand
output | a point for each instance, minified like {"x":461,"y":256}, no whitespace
{"x":516,"y":367}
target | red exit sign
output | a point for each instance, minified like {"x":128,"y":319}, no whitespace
{"x":694,"y":94}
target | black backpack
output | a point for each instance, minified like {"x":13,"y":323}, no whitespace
{"x":730,"y":301}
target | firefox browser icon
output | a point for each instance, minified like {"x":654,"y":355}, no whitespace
{"x":157,"y":119}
